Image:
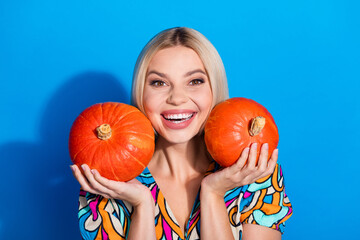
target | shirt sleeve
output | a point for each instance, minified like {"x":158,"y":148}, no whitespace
{"x":102,"y":218}
{"x":266,"y":203}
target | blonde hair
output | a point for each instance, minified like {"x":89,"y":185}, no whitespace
{"x":187,"y":37}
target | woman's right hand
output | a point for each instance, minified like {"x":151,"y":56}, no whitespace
{"x":132,"y":191}
{"x":245,"y":171}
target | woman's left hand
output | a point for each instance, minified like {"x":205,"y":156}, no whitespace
{"x":131,"y":191}
{"x":245,"y":171}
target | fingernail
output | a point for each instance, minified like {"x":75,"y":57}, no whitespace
{"x":72,"y":167}
{"x":92,"y":171}
{"x":255,"y":145}
{"x":277,"y":151}
{"x":266,"y":146}
{"x":83,"y":166}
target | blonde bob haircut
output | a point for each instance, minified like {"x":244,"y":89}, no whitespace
{"x":187,"y":37}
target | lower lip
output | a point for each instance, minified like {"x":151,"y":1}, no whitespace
{"x":181,"y":125}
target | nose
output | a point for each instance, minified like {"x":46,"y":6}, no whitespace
{"x":177,"y":96}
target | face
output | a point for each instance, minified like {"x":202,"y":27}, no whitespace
{"x":177,"y":94}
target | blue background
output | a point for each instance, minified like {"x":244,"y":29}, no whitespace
{"x":299,"y":58}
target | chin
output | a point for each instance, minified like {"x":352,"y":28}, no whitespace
{"x":179,"y":137}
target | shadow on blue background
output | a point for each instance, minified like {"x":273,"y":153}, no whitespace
{"x":44,"y":204}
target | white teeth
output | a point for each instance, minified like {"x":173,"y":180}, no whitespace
{"x":179,"y":121}
{"x":180,"y":116}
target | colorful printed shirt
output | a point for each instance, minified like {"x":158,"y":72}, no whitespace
{"x":263,"y":202}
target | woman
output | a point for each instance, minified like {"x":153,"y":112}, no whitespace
{"x":178,"y":78}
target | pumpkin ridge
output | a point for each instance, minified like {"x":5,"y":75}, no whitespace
{"x":122,"y":116}
{"x":93,"y":115}
{"x":107,"y":107}
{"x":88,"y":137}
{"x":120,"y":160}
{"x":137,"y":133}
{"x":101,"y":114}
{"x":93,"y":156}
{"x":113,"y":111}
{"x":90,"y":123}
{"x":142,"y":164}
{"x":130,"y":123}
{"x":109,"y":159}
{"x":87,"y":146}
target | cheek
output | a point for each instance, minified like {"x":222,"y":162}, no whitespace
{"x":204,"y":100}
{"x":151,"y":104}
{"x":148,"y":100}
{"x":152,"y":99}
{"x":149,"y":109}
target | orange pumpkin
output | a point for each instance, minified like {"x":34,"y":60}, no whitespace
{"x":114,"y":138}
{"x":234,"y":125}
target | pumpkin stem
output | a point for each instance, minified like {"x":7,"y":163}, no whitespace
{"x":257,"y":124}
{"x":104,"y":131}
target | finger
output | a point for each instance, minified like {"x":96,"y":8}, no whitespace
{"x":263,"y":158}
{"x":272,"y":163}
{"x":94,"y":184}
{"x":80,"y":178}
{"x":243,"y":157}
{"x":273,"y":160}
{"x":252,"y":156}
{"x":107,"y":183}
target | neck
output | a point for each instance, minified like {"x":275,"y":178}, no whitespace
{"x":180,"y":160}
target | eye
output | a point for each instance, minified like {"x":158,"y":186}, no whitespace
{"x":157,"y":83}
{"x":196,"y":81}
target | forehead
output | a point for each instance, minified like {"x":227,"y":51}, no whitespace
{"x":175,"y":58}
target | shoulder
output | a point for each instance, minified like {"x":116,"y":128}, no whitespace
{"x":272,"y":182}
{"x":266,"y":203}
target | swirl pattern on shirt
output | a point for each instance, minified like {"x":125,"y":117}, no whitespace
{"x":263,"y":202}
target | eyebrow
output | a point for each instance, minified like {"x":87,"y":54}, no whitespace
{"x":185,"y":75}
{"x":194,"y":71}
{"x":157,"y":73}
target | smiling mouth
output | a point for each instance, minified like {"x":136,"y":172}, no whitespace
{"x":178,"y":118}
